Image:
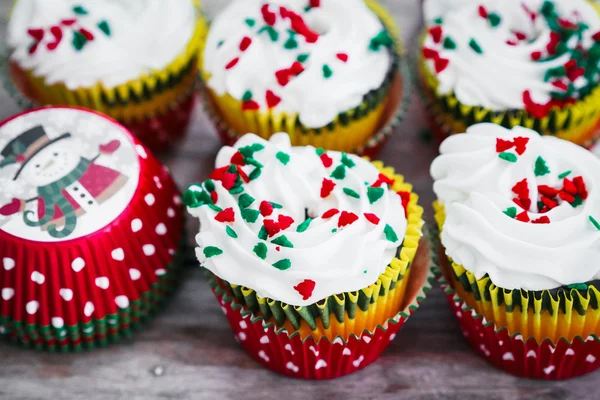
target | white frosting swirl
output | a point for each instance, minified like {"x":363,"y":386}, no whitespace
{"x":498,"y":77}
{"x":337,"y":259}
{"x":345,"y":27}
{"x":139,"y":37}
{"x":475,"y":186}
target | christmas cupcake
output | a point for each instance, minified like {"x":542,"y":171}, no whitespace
{"x":519,"y":218}
{"x":326,"y":77}
{"x":135,"y":61}
{"x":531,"y":63}
{"x":315,"y":256}
{"x":91,"y":230}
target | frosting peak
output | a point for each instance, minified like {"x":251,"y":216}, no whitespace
{"x":296,"y":224}
{"x":520,"y":207}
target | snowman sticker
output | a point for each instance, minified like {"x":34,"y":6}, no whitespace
{"x":67,"y":186}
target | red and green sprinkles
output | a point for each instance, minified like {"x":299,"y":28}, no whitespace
{"x":519,"y":144}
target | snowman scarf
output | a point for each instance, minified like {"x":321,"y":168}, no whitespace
{"x":53,"y":197}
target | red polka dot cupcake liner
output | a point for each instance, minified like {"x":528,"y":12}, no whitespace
{"x":523,"y":357}
{"x":91,"y":230}
{"x":316,"y":358}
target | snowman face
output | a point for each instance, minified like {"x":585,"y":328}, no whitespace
{"x":50,"y":164}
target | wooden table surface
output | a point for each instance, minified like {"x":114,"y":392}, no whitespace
{"x":188,"y":351}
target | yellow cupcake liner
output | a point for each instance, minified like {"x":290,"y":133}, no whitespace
{"x":146,"y":96}
{"x":350,"y":131}
{"x":351,"y":312}
{"x":578,"y":122}
{"x":546,"y":314}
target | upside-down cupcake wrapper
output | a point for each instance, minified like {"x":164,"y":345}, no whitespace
{"x":362,"y":130}
{"x":352,"y":311}
{"x":317,"y":356}
{"x":578,"y":122}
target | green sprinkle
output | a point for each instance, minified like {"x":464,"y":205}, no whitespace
{"x":578,"y":286}
{"x":284,"y":158}
{"x":302,"y":57}
{"x":511,"y":212}
{"x":593,"y":221}
{"x":236,"y":190}
{"x":383,"y":38}
{"x":245,"y":201}
{"x":389,"y":233}
{"x":232,"y":168}
{"x":273,"y":34}
{"x":494,"y":19}
{"x":290,"y":44}
{"x":510,"y":157}
{"x":365,"y":271}
{"x":215,"y":208}
{"x":255,"y":174}
{"x":260,"y":250}
{"x":78,"y":40}
{"x":282,"y":241}
{"x":438,"y":21}
{"x":475,"y":46}
{"x":250,"y":215}
{"x":252,"y":161}
{"x":231,"y":232}
{"x":284,"y":264}
{"x":304,"y":226}
{"x":374,"y":194}
{"x":334,"y":230}
{"x":541,"y":168}
{"x":104,"y":27}
{"x":347,"y":161}
{"x":555,"y":72}
{"x":275,"y":205}
{"x":327,"y":72}
{"x":339,"y":172}
{"x":250,"y":22}
{"x":247,"y":95}
{"x":351,"y":193}
{"x":577,"y":202}
{"x":263,"y":234}
{"x":79,"y":10}
{"x":211,"y":251}
{"x":564,"y":174}
{"x":449,"y":44}
{"x":220,"y":43}
{"x":320,"y":151}
{"x":209,"y":185}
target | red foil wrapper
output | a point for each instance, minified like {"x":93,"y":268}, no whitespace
{"x":99,"y":259}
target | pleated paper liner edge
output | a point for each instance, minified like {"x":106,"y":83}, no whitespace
{"x":558,"y":320}
{"x":578,"y":123}
{"x":107,"y":330}
{"x":350,"y":132}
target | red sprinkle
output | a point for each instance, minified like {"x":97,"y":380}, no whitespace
{"x":520,"y":35}
{"x":580,"y":185}
{"x":521,"y":189}
{"x":547,"y":191}
{"x":560,"y":85}
{"x":218,"y":173}
{"x":283,"y":12}
{"x":511,"y":42}
{"x":238,"y":159}
{"x":381,"y":179}
{"x":347,"y":218}
{"x":242,"y":174}
{"x":436,"y":33}
{"x":227,"y":215}
{"x":36,"y":33}
{"x":535,"y":109}
{"x":327,"y":187}
{"x":570,"y":64}
{"x":68,"y":22}
{"x":430,"y":54}
{"x":405,"y":197}
{"x":503,"y":145}
{"x":575,"y":73}
{"x":315,"y":3}
{"x":326,"y":160}
{"x":520,"y":144}
{"x":330,"y":213}
{"x":232,"y":63}
{"x":372,"y":218}
{"x":569,"y":186}
{"x":245,"y":43}
{"x":265,"y":208}
{"x":566,"y":24}
{"x":285,"y":221}
{"x":566,"y":196}
{"x":532,"y":15}
{"x":269,"y":16}
{"x":554,"y":41}
{"x":342,"y":56}
{"x":305,"y":288}
{"x":278,"y":248}
{"x":596,"y":36}
{"x":285,"y":75}
{"x":226,"y":178}
{"x":214,"y":197}
{"x":272,"y":99}
{"x":56,"y":31}
{"x":88,"y":35}
{"x":536,"y":55}
{"x":523,"y":217}
{"x":541,"y":220}
{"x":250,"y":105}
{"x":482,"y":12}
{"x":548,"y":202}
{"x":441,"y":64}
{"x":271,"y":226}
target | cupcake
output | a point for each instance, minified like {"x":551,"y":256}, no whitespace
{"x":316,"y":256}
{"x":328,"y":78}
{"x":519,"y":218}
{"x":531,"y":63}
{"x":91,"y":230}
{"x":135,"y":61}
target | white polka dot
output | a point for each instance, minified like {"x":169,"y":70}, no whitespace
{"x":338,"y":340}
{"x":66,"y":294}
{"x":58,"y":322}
{"x":78,"y":264}
{"x":508,"y":356}
{"x":160,"y":272}
{"x":88,"y":309}
{"x":531,"y":353}
{"x":548,"y":370}
{"x":264,"y":339}
{"x":357,"y":362}
{"x":176,"y":200}
{"x":118,"y":254}
{"x":122,"y":301}
{"x":570,"y":352}
{"x":171,"y":251}
{"x":288,"y":347}
{"x":263,"y":355}
{"x":367,"y":339}
{"x":157,"y":182}
{"x":320,"y":364}
{"x":291,"y":366}
{"x":392,"y":336}
{"x":141,"y":151}
{"x":590,"y":358}
{"x":243,"y":324}
{"x":242,"y":336}
{"x":346,"y":352}
{"x":136,"y":225}
{"x":32,"y":307}
{"x":485,"y":350}
{"x":37,"y":277}
{"x":8,"y":263}
{"x":102,"y":282}
{"x":170,"y":212}
{"x":148,"y":249}
{"x":149,"y":199}
{"x":314,"y":350}
{"x":161,"y":229}
{"x":8,"y":293}
{"x":134,"y":274}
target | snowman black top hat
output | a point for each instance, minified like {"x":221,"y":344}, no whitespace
{"x":24,"y":147}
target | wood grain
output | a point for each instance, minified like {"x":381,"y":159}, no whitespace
{"x":188,"y":351}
